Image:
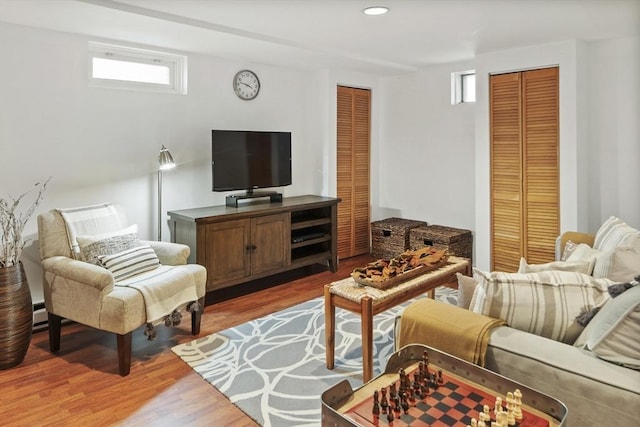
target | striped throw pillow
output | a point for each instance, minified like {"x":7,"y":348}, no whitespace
{"x":130,"y":262}
{"x":544,"y":303}
{"x":613,"y":233}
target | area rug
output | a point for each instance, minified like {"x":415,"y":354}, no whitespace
{"x":273,"y":368}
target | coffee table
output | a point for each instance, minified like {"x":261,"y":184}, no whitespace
{"x":369,"y":301}
{"x":465,"y":389}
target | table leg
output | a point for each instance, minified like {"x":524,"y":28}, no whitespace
{"x":329,"y":326}
{"x":367,"y":338}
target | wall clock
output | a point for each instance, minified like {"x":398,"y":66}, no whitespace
{"x":246,"y":84}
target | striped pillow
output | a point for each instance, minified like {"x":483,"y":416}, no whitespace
{"x":130,"y":262}
{"x":613,"y":233}
{"x":544,"y":303}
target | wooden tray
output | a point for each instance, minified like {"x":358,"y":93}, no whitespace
{"x":401,"y":278}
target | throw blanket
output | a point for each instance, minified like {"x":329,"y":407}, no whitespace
{"x":164,"y":289}
{"x":454,"y":330}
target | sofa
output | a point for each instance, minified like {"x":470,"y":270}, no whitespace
{"x":594,"y":369}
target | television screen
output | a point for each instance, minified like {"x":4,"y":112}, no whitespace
{"x":244,"y":160}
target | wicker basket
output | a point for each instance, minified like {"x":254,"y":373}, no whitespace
{"x":457,"y":241}
{"x":390,"y":237}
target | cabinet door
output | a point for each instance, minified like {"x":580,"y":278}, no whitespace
{"x":228,"y":251}
{"x":270,"y":242}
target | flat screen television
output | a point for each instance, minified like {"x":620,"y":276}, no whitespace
{"x":246,"y":160}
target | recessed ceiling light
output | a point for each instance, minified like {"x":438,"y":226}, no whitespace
{"x":375,"y":10}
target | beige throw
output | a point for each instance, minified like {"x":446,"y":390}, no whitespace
{"x":448,"y":328}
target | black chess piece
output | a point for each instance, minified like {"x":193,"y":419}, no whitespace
{"x":405,"y":403}
{"x":384,"y":403}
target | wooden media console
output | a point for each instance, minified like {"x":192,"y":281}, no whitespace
{"x":259,"y":238}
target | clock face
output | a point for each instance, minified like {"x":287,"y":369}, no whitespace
{"x":246,"y":84}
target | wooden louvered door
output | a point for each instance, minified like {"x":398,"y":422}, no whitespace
{"x":353,"y":147}
{"x":524,"y":167}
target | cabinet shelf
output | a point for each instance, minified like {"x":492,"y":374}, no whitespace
{"x":309,"y":242}
{"x":309,"y":223}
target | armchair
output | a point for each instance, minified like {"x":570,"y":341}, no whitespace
{"x":83,"y":252}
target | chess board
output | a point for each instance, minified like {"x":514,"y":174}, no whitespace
{"x":452,"y":404}
{"x":457,"y":393}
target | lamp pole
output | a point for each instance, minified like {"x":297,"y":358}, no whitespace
{"x":165,"y":162}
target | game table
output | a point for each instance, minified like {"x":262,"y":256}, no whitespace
{"x":367,"y":301}
{"x":465,"y":389}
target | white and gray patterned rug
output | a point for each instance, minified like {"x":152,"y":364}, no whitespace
{"x":273,"y":368}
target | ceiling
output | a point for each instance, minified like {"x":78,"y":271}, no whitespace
{"x":312,"y":34}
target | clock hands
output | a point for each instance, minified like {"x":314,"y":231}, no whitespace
{"x":247,"y":85}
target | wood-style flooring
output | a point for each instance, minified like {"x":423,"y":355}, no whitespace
{"x":80,"y":385}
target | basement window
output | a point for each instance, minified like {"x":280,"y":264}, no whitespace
{"x":121,"y":67}
{"x":463,"y":87}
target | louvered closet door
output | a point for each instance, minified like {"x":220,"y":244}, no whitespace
{"x":506,"y":174}
{"x":353,"y":142}
{"x":540,"y":163}
{"x":524,"y":167}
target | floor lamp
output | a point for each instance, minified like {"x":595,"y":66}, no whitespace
{"x":165,"y":162}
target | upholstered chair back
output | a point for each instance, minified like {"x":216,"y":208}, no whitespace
{"x":57,"y":239}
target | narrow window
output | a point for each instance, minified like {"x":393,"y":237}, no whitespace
{"x":463,"y":87}
{"x":136,"y":69}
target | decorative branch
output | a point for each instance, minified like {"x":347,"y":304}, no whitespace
{"x":12,"y":223}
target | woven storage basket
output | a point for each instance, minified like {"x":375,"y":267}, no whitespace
{"x":390,"y":237}
{"x":456,"y":240}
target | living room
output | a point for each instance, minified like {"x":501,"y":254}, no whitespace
{"x":429,"y":159}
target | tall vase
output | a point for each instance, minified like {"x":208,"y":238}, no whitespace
{"x":16,"y":316}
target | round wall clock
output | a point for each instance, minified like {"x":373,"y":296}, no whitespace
{"x":246,"y":84}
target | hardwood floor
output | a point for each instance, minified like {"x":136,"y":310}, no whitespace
{"x":80,"y":384}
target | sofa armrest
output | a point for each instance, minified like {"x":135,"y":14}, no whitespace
{"x":170,"y":253}
{"x":575,"y":237}
{"x":80,"y":272}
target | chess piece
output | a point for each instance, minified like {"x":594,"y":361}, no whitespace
{"x":405,"y":403}
{"x":511,"y":420}
{"x":517,"y":401}
{"x":384,"y":403}
{"x":498,"y":406}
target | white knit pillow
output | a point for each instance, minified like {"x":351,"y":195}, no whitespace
{"x":545,"y":303}
{"x":130,"y":262}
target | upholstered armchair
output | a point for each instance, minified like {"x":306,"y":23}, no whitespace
{"x":98,"y":273}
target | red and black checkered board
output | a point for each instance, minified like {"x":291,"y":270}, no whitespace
{"x":451,"y":405}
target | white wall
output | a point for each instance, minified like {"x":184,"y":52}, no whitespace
{"x":102,"y":144}
{"x":425,"y":167}
{"x":613,"y":172}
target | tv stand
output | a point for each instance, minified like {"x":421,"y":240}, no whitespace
{"x":257,"y":240}
{"x":232,"y":200}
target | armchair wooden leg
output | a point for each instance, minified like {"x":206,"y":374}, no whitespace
{"x":55,"y":327}
{"x":196,"y":318}
{"x":124,"y":353}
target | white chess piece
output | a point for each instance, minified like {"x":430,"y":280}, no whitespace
{"x":517,"y":399}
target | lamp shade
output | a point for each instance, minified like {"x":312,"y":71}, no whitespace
{"x":165,"y":160}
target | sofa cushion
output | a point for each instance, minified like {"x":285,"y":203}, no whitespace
{"x":621,"y":263}
{"x":614,"y":333}
{"x":92,"y":246}
{"x":596,"y":392}
{"x":613,"y":233}
{"x":545,"y":303}
{"x":130,"y":262}
{"x":579,"y":266}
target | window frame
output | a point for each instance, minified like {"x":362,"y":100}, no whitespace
{"x":177,"y":65}
{"x":457,"y":87}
